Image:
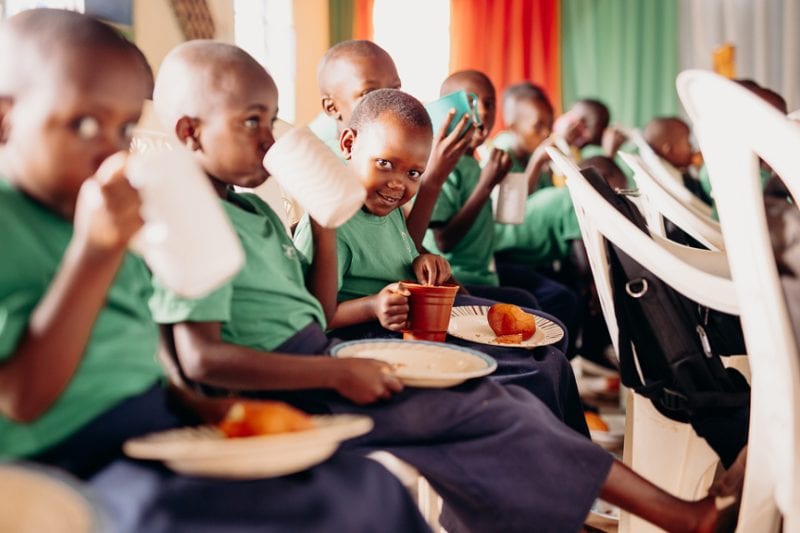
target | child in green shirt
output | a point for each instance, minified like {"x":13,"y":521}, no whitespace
{"x":78,"y":367}
{"x":352,"y":69}
{"x":547,"y":474}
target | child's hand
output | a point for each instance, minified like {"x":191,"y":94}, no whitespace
{"x":497,"y":166}
{"x":107,"y":210}
{"x":431,"y":269}
{"x":365,"y":381}
{"x":448,"y":149}
{"x":391,"y":307}
{"x":613,"y":138}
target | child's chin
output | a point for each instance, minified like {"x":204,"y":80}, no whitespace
{"x":379,"y":210}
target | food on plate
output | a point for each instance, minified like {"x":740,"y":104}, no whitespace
{"x":249,"y":418}
{"x":594,"y":422}
{"x":514,"y":338}
{"x":507,"y":319}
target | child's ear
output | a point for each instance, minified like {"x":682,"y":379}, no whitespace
{"x":666,"y":148}
{"x":330,"y":109}
{"x":346,"y":140}
{"x":6,"y":102}
{"x":188,"y":131}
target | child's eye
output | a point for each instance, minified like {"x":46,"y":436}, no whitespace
{"x":252,"y":123}
{"x":87,"y":127}
{"x":414,"y":174}
{"x":383,"y":164}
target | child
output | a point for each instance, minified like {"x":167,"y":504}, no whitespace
{"x":352,"y":69}
{"x":242,"y":336}
{"x":669,"y":137}
{"x":78,"y":370}
{"x":528,"y":115}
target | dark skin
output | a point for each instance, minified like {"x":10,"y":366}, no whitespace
{"x":347,"y":79}
{"x":390,"y":158}
{"x":67,"y":138}
{"x":449,"y":234}
{"x":230,"y":142}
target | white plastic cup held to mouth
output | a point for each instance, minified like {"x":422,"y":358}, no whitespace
{"x":313,"y":175}
{"x":187,"y":240}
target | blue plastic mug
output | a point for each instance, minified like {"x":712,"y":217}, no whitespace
{"x":461,"y":101}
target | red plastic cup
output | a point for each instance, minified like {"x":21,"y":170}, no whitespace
{"x":429,"y":311}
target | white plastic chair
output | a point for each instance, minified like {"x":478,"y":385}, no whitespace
{"x":661,"y":204}
{"x":731,"y":149}
{"x":668,"y":453}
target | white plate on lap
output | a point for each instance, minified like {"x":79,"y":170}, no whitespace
{"x":422,"y":363}
{"x":205,"y":451}
{"x":469,"y":322}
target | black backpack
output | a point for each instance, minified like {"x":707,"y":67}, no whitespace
{"x":669,"y":346}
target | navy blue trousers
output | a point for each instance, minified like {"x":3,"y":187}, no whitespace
{"x":346,"y":493}
{"x":496,"y":454}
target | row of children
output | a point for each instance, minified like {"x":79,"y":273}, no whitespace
{"x":78,"y":335}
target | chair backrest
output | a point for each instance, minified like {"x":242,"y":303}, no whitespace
{"x":667,"y":177}
{"x":660,"y":204}
{"x":731,"y":149}
{"x":700,"y":275}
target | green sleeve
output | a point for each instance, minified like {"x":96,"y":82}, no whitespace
{"x":15,"y":311}
{"x":169,"y":308}
{"x":569,"y":229}
{"x":344,"y":258}
{"x":303,"y":240}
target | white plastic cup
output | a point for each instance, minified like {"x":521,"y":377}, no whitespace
{"x":511,"y":196}
{"x":187,"y":240}
{"x":313,"y":175}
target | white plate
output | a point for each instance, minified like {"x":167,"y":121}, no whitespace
{"x":422,"y":363}
{"x":34,"y":499}
{"x":205,"y":451}
{"x":469,"y":322}
{"x":611,"y":439}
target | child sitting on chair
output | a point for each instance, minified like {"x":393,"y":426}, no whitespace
{"x":352,"y":69}
{"x":78,"y":367}
{"x":247,"y":337}
{"x":669,"y":137}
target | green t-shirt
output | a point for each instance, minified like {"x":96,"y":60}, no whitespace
{"x":548,"y":231}
{"x":267,"y":302}
{"x":372,"y":251}
{"x":120,"y":357}
{"x":471,"y":258}
{"x":705,"y":184}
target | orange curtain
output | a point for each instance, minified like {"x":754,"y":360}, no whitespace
{"x":509,"y":40}
{"x":362,"y":20}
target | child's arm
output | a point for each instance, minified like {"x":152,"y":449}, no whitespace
{"x":207,"y":359}
{"x":322,"y":278}
{"x":106,"y":217}
{"x":536,"y":164}
{"x":449,"y":234}
{"x":447,"y":150}
{"x":390,"y":305}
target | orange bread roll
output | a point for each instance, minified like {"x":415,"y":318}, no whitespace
{"x":507,"y":319}
{"x":248,"y":418}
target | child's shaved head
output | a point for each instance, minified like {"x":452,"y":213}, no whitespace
{"x":669,"y":138}
{"x":466,"y":78}
{"x":54,"y":42}
{"x":198,"y":77}
{"x":348,"y":71}
{"x":402,"y":106}
{"x":522,"y":92}
{"x":664,"y":129}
